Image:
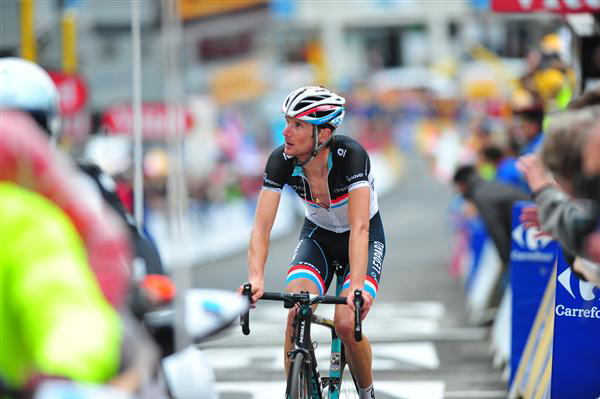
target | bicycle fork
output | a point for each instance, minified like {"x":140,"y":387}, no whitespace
{"x":303,"y":344}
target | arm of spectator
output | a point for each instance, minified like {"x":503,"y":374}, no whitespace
{"x":560,"y":216}
{"x":535,"y":174}
{"x":589,"y":270}
{"x":529,"y":217}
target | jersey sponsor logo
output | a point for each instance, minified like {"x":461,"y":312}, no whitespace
{"x":378,"y":249}
{"x":356,"y":176}
{"x":271,"y":182}
{"x":340,"y":189}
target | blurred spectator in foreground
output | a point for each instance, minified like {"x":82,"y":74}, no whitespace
{"x":64,"y":323}
{"x":494,"y":201}
{"x":56,"y":318}
{"x":32,"y":163}
{"x":566,"y":209}
{"x":27,"y":87}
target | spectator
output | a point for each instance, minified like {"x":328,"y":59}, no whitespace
{"x":562,"y":211}
{"x":494,"y":202}
{"x":55,"y":320}
{"x":27,"y":87}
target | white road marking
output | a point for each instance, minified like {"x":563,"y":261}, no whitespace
{"x":476,"y":394}
{"x":393,"y":389}
{"x":408,"y":355}
{"x":386,"y":322}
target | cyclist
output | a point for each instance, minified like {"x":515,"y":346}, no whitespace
{"x":332,"y":175}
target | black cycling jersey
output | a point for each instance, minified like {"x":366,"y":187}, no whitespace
{"x":349,"y":167}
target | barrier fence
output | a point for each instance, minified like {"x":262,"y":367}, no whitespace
{"x":546,"y":326}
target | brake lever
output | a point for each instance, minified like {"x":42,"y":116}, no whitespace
{"x":358,"y":302}
{"x":245,"y":316}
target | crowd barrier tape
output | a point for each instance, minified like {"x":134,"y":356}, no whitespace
{"x":532,"y":260}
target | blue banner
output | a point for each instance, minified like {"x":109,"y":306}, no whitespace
{"x":576,"y":345}
{"x":532,"y":258}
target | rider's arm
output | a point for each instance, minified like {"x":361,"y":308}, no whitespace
{"x":358,"y":216}
{"x":266,"y":210}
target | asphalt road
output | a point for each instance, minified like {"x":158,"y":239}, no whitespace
{"x":423,"y":346}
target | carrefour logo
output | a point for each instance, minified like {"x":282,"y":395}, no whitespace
{"x":584,"y":289}
{"x":531,"y":241}
{"x":531,"y":238}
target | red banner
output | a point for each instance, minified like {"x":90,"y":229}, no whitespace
{"x":72,"y":92}
{"x":155,"y":120}
{"x":558,"y":6}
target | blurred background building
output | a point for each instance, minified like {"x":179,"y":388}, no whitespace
{"x":398,"y":62}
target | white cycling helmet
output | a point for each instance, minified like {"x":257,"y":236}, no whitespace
{"x":317,"y":106}
{"x":27,"y":87}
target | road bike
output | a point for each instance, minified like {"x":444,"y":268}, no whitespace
{"x":304,"y":380}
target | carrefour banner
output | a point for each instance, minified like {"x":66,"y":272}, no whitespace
{"x":576,"y":346}
{"x":532,"y":259}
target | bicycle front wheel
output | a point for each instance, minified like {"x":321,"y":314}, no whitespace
{"x":298,"y":388}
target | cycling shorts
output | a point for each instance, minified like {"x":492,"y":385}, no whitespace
{"x":319,"y":248}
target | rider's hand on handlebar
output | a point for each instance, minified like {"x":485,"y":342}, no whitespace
{"x":258,"y":288}
{"x":367,"y":301}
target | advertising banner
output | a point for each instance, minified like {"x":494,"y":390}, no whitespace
{"x":156,"y":120}
{"x":559,"y":6}
{"x":532,"y":258}
{"x":576,"y":346}
{"x":72,"y":92}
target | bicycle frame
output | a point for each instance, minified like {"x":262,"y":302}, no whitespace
{"x":303,"y":343}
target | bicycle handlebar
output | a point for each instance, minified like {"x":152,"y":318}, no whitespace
{"x":290,"y":299}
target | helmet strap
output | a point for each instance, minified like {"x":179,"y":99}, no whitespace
{"x":316,"y":147}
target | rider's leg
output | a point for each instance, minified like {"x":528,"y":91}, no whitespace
{"x":296,"y":285}
{"x":308,"y":272}
{"x":358,"y":354}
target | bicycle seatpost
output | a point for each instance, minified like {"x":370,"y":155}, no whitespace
{"x":245,"y":316}
{"x":358,"y":301}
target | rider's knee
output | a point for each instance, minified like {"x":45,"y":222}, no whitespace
{"x":344,"y":327}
